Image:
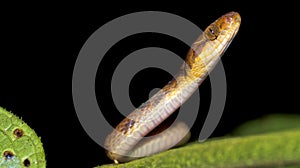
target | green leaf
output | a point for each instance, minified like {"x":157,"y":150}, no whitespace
{"x":268,"y":123}
{"x":20,"y":147}
{"x":273,"y":141}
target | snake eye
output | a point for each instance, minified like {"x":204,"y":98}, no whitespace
{"x":212,"y":32}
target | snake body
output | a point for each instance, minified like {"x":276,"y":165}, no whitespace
{"x":127,"y":142}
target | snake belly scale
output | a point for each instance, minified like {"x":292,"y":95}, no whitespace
{"x":127,"y":142}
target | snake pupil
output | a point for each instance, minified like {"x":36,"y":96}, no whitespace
{"x":211,"y":31}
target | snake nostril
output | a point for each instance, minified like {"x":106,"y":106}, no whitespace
{"x":229,"y":19}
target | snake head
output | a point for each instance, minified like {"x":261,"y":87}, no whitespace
{"x":228,"y":22}
{"x":212,"y":43}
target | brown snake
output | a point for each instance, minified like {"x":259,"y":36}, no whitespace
{"x":126,"y":141}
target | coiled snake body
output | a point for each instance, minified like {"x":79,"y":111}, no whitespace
{"x":125,"y":142}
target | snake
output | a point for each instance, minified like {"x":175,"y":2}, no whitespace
{"x":130,"y":139}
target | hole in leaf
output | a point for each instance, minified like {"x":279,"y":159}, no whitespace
{"x":8,"y":155}
{"x":26,"y":163}
{"x":18,"y":133}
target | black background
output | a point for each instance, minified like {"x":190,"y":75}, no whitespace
{"x":40,"y":44}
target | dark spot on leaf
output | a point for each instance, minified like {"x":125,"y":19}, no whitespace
{"x":18,"y":133}
{"x":8,"y":155}
{"x":26,"y":163}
